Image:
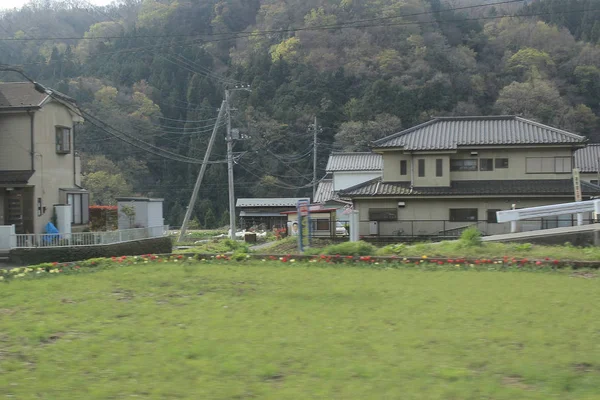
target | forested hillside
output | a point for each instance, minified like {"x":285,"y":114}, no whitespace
{"x":156,"y":71}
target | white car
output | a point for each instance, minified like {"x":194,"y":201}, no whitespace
{"x":340,"y":230}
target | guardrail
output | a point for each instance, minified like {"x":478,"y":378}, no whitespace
{"x":87,"y":238}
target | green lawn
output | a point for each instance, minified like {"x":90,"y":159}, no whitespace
{"x":277,"y":331}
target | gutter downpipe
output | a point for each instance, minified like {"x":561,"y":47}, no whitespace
{"x":412,"y":171}
{"x":31,"y":116}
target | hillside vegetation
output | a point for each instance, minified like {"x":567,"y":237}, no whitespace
{"x":156,"y":70}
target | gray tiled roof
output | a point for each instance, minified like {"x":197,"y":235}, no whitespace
{"x":20,"y":94}
{"x":587,"y":159}
{"x":270,"y":202}
{"x":376,"y":188}
{"x":451,"y":132}
{"x":324,"y":191}
{"x":354,"y":162}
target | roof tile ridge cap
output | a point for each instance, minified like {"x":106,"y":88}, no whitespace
{"x":550,"y":127}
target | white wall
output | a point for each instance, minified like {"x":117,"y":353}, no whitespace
{"x":155,"y":213}
{"x":344,"y":180}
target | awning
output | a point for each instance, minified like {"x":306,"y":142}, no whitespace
{"x":259,"y":214}
{"x":15,"y":177}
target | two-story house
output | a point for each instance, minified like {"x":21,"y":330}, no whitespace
{"x":453,"y":172}
{"x":38,"y":164}
{"x":587,"y":160}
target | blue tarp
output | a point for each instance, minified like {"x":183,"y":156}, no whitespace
{"x":52,"y":232}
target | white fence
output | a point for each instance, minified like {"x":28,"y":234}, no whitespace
{"x":87,"y":238}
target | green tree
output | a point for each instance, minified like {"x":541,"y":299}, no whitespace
{"x":104,"y":188}
{"x":539,"y":100}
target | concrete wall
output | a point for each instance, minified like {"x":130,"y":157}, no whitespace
{"x":345,"y":179}
{"x":434,"y":214}
{"x":155,"y":213}
{"x":516,"y":169}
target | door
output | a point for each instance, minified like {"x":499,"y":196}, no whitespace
{"x":374,"y":228}
{"x":14,"y":210}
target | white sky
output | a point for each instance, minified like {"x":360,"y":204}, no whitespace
{"x":10,"y":4}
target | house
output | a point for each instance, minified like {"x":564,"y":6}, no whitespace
{"x":39,"y":167}
{"x":343,"y":171}
{"x":587,"y":160}
{"x":453,"y":172}
{"x":265,"y":213}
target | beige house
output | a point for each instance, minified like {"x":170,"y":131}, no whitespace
{"x":588,"y":162}
{"x":453,"y":172}
{"x":39,"y":167}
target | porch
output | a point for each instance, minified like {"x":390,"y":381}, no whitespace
{"x":17,"y":208}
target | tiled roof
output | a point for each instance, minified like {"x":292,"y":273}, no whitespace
{"x":557,"y":187}
{"x":451,"y":132}
{"x":270,"y":202}
{"x":324,"y":191}
{"x":354,"y":162}
{"x":19,"y":95}
{"x":587,"y":159}
{"x":15,"y":177}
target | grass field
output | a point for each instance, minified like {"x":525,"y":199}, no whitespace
{"x":277,"y":331}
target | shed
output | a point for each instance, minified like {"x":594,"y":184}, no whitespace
{"x":323,"y":221}
{"x":140,"y":212}
{"x":265,"y":213}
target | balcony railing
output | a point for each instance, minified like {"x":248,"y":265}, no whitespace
{"x":88,"y":238}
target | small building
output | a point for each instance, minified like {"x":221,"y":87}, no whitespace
{"x":588,"y":162}
{"x":322,"y":220}
{"x":140,"y":212}
{"x":265,"y":213}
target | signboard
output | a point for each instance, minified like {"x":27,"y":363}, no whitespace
{"x":303,"y":207}
{"x":577,"y":185}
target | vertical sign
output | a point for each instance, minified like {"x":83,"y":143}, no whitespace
{"x":302,"y":209}
{"x":577,"y":184}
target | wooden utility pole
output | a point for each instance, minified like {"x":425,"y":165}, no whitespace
{"x":230,"y":185}
{"x":211,"y":142}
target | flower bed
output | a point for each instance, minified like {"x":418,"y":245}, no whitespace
{"x":424,"y":262}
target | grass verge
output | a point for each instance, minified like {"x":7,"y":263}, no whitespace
{"x":277,"y":331}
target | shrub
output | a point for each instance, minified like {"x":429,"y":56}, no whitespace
{"x":471,"y":237}
{"x":350,"y":249}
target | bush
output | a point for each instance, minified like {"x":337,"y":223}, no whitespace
{"x":350,"y":249}
{"x":40,"y":255}
{"x":471,"y":237}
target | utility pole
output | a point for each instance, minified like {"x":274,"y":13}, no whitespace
{"x":315,"y":160}
{"x":229,"y":139}
{"x":211,"y":142}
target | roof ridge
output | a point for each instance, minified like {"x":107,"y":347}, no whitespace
{"x":404,"y":132}
{"x":369,"y":182}
{"x":550,"y":127}
{"x":459,"y":117}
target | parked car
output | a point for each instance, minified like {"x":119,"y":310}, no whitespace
{"x":340,"y":229}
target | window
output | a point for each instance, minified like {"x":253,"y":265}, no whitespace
{"x":421,"y":168}
{"x":486,"y":164}
{"x":594,"y":181}
{"x":439,"y":167}
{"x":79,"y":203}
{"x":548,"y":165}
{"x":463,"y":214}
{"x":463,"y":165}
{"x":501,"y":163}
{"x":492,"y":217}
{"x":403,"y":167}
{"x":383,"y":214}
{"x":320,"y":224}
{"x":63,"y":140}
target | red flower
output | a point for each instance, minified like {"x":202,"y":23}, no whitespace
{"x":54,"y":263}
{"x":538,"y":263}
{"x":547,"y":259}
{"x":450,"y":261}
{"x":77,"y":267}
{"x":555,"y":262}
{"x":180,"y":257}
{"x":349,"y":257}
{"x":323,"y":256}
{"x":440,"y":262}
{"x":284,"y":259}
{"x":477,"y":262}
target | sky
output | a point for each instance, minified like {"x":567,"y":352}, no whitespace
{"x":10,"y":4}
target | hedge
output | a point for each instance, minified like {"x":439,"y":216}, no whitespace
{"x":38,"y":255}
